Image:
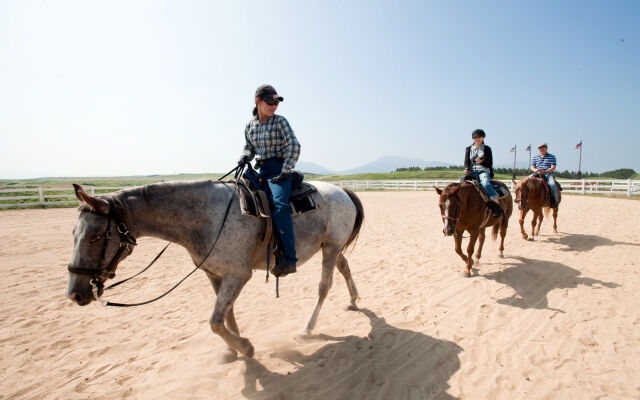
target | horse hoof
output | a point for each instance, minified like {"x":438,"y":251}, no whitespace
{"x":303,"y":336}
{"x":352,"y":307}
{"x":247,"y":349}
{"x":501,"y":255}
{"x":525,"y":237}
{"x":228,"y":356}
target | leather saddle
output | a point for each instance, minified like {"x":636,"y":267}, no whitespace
{"x":500,"y":189}
{"x":254,"y":200}
{"x":547,"y":190}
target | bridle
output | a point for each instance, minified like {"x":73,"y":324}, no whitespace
{"x":522,"y":194}
{"x":454,"y":219}
{"x":127,"y":241}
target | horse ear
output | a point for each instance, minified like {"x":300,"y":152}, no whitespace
{"x":438,"y":190}
{"x":96,"y":204}
{"x":514,"y":182}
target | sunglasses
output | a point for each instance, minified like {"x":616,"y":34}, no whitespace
{"x":272,"y":102}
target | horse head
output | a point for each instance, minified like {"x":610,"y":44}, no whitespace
{"x":521,"y":192}
{"x":96,"y":252}
{"x":449,"y":204}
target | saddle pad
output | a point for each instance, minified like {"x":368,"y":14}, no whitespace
{"x":500,"y":190}
{"x":254,"y":202}
{"x":302,"y":190}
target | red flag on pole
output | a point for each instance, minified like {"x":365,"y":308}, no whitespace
{"x":512,"y":149}
{"x":579,"y":145}
{"x":528,"y":148}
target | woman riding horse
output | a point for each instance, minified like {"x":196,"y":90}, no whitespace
{"x":271,"y":140}
{"x":478,"y":162}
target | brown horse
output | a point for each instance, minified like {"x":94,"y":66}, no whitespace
{"x":463,"y":208}
{"x":532,"y":194}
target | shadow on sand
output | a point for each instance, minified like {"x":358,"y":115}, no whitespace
{"x":532,"y":280}
{"x":580,"y":242}
{"x":389,"y":363}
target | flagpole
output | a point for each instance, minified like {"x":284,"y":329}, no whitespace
{"x":529,"y":166}
{"x":580,"y":160}
{"x":515,"y":150}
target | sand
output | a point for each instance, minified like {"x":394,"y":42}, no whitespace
{"x":557,"y":318}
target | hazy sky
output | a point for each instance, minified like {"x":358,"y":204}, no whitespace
{"x":93,"y":88}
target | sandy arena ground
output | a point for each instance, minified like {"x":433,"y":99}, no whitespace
{"x":558,"y":318}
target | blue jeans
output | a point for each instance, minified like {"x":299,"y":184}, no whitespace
{"x":483,"y":177}
{"x":279,"y":202}
{"x":553,"y":188}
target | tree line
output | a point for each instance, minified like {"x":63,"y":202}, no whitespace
{"x":622,"y":173}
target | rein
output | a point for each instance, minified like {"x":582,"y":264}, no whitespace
{"x":99,"y":276}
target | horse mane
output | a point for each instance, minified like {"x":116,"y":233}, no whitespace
{"x":451,"y":188}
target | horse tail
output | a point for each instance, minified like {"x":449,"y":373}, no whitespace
{"x":359,"y":218}
{"x":494,"y":231}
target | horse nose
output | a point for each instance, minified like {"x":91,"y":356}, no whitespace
{"x":75,"y":297}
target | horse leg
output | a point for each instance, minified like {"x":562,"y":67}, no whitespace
{"x":473,"y":236}
{"x":329,"y":255}
{"x":540,"y":218}
{"x":457,"y":241}
{"x":228,"y":291}
{"x":503,"y":233}
{"x":481,"y":238}
{"x":555,"y":218}
{"x":521,"y":221}
{"x":230,"y":354}
{"x":533,"y":223}
{"x":343,"y":267}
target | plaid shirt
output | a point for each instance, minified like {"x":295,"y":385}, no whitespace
{"x":272,"y":138}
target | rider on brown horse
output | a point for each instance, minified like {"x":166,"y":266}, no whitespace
{"x":544,"y":165}
{"x":478,"y":162}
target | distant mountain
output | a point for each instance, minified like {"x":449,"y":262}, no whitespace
{"x":383,"y":164}
{"x":391,"y":163}
{"x":312,"y":168}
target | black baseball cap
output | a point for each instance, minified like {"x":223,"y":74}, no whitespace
{"x":267,"y":92}
{"x":478,"y":133}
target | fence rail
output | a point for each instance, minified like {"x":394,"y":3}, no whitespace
{"x":42,"y":196}
{"x":625,"y":187}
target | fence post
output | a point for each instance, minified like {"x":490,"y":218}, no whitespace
{"x":582,"y":191}
{"x":93,"y":190}
{"x":628,"y":187}
{"x":41,"y":196}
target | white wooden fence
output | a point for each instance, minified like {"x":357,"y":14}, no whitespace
{"x":42,"y":196}
{"x":628,"y":187}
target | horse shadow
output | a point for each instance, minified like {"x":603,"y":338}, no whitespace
{"x":389,"y":363}
{"x":581,"y":242}
{"x":532,"y":280}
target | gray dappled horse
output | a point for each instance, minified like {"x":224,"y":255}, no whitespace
{"x":192,"y":214}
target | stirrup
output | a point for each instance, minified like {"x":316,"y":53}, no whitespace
{"x":496,"y":210}
{"x":279,"y":271}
